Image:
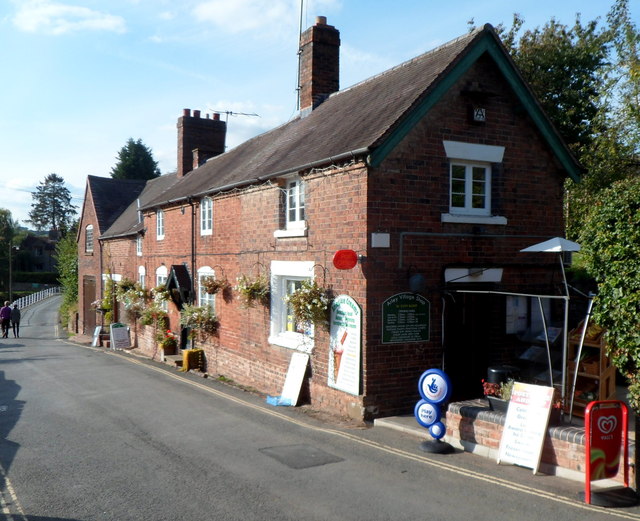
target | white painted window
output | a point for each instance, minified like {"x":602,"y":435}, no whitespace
{"x":161,"y":280}
{"x":204,"y":298}
{"x":159,"y":225}
{"x":286,"y":277}
{"x":141,"y":276}
{"x":139,"y":245}
{"x":206,"y":216}
{"x":470,"y":166}
{"x":470,"y":185}
{"x":294,"y":207}
{"x":88,"y":239}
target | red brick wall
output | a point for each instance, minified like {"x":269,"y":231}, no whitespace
{"x":88,"y":264}
{"x":407,"y":193}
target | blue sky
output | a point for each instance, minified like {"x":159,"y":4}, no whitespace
{"x":83,"y":76}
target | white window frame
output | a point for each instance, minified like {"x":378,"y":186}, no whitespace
{"x":281,"y":273}
{"x":162,"y":275}
{"x":204,"y":298}
{"x":206,"y":216}
{"x":159,"y":224}
{"x":471,"y":185}
{"x":142,"y":272}
{"x":88,"y":238}
{"x":472,"y":155}
{"x":139,"y":245}
{"x":294,"y":208}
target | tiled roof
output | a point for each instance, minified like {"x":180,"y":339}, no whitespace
{"x":111,"y":197}
{"x":127,"y":222}
{"x":350,"y":122}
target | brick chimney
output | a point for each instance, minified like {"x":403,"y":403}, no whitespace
{"x":319,"y":64}
{"x":199,"y":139}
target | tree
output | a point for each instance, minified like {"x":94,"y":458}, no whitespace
{"x":8,"y":228}
{"x":51,"y":207}
{"x":135,"y":161}
{"x":67,"y":261}
{"x":587,"y":79}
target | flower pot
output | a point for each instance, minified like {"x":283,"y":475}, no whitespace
{"x":498,"y":404}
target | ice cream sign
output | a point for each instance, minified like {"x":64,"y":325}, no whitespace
{"x":345,"y":345}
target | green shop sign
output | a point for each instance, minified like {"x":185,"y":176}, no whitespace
{"x":405,"y":318}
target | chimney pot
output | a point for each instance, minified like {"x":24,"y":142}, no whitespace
{"x":196,"y":113}
{"x":186,"y":112}
{"x":321,"y":20}
{"x":216,"y":116}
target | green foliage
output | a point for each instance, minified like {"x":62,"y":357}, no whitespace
{"x":135,"y":161}
{"x":587,"y":78}
{"x":67,"y":261}
{"x":51,"y":208}
{"x":564,"y":66}
{"x":7,"y":232}
{"x":253,"y":290}
{"x":200,"y":318}
{"x":611,"y":251}
{"x":310,"y":304}
{"x":133,"y":296}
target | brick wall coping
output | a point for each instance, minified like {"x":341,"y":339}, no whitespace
{"x":479,"y":410}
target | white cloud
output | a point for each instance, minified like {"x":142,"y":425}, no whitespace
{"x":239,"y":16}
{"x":44,"y":16}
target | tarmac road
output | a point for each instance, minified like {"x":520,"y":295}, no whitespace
{"x":91,"y":434}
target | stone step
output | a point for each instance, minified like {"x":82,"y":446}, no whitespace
{"x":174,"y":359}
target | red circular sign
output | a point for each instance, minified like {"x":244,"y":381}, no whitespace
{"x":345,"y":259}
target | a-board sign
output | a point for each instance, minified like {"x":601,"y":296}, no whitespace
{"x":96,"y":336}
{"x":526,"y":425}
{"x":119,"y":336}
{"x":405,"y":318}
{"x":295,"y":376}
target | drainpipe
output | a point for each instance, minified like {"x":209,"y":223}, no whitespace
{"x":192,"y":289}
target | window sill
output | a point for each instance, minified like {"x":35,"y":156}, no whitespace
{"x":206,"y":232}
{"x":280,"y":234}
{"x":295,"y":341}
{"x":473,"y":219}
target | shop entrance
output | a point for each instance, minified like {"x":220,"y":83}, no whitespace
{"x":469,"y":321}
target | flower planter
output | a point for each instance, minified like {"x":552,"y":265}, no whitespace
{"x":497,"y":404}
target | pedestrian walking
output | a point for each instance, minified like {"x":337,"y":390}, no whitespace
{"x":15,"y":321}
{"x":5,"y":319}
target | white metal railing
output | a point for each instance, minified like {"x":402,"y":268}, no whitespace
{"x":37,"y":297}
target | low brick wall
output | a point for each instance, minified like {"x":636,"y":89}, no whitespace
{"x":473,"y":427}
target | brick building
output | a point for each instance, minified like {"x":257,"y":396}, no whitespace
{"x":436,"y":173}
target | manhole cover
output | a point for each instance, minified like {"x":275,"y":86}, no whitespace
{"x":300,"y":456}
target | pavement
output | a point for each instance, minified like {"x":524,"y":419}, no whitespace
{"x":404,"y":424}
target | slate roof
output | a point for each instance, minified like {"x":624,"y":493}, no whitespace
{"x":365,"y":119}
{"x":127,"y":222}
{"x":351,"y":120}
{"x":111,"y":197}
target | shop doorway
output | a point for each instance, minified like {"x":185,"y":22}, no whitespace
{"x":469,"y":321}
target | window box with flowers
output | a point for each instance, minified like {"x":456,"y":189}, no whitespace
{"x":253,"y":290}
